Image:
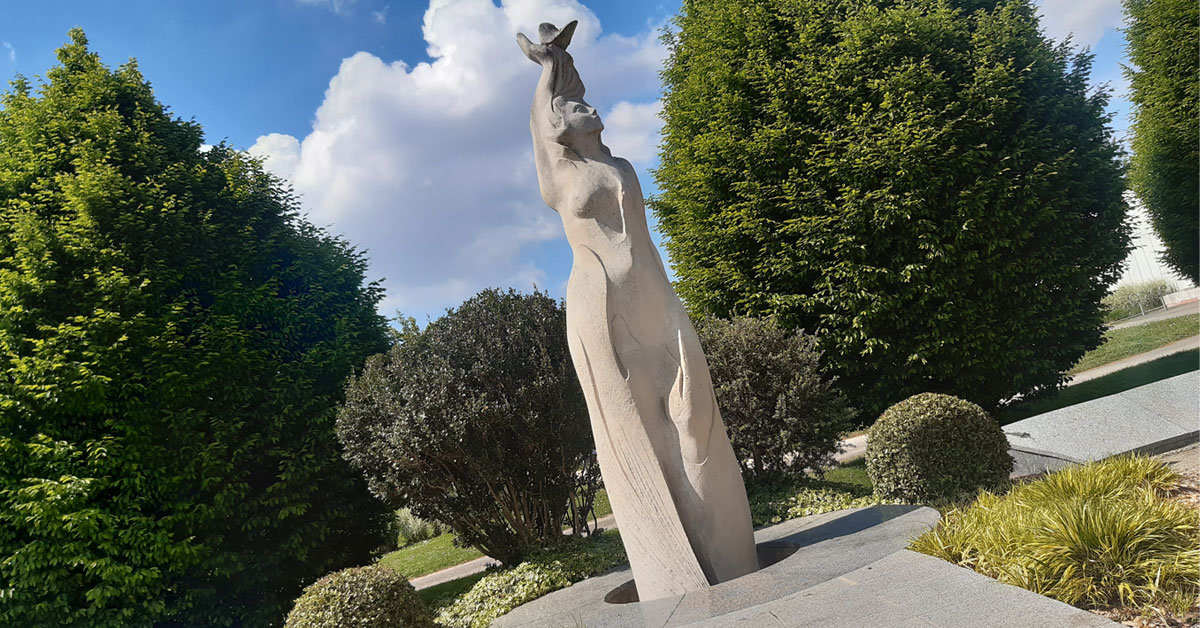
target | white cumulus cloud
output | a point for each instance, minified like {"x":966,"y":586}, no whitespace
{"x":429,"y":166}
{"x":1085,"y":20}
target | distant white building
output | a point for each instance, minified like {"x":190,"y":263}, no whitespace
{"x":1142,"y":263}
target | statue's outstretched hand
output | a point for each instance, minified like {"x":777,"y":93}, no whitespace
{"x":550,"y":35}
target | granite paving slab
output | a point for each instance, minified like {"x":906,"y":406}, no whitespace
{"x":798,"y":554}
{"x":911,"y":589}
{"x":847,"y":573}
{"x":1148,"y":419}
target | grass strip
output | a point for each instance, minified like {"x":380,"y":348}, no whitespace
{"x":1122,"y":343}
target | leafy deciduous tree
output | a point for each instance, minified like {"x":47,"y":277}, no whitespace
{"x":173,"y":343}
{"x":1163,"y":38}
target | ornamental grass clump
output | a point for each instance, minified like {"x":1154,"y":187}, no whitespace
{"x":364,"y":597}
{"x":931,"y":447}
{"x":1102,"y":536}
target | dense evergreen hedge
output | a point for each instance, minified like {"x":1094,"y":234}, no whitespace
{"x":929,"y":186}
{"x":1164,"y":77}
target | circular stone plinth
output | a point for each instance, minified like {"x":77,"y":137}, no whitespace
{"x":796,"y":554}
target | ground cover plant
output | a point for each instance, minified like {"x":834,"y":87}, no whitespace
{"x":783,"y":414}
{"x":477,"y":600}
{"x":478,"y":421}
{"x":1099,"y":536}
{"x":174,"y":340}
{"x":498,"y":593}
{"x":1127,"y":341}
{"x":789,"y":497}
{"x":930,"y":187}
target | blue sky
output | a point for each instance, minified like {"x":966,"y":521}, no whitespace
{"x":403,"y":124}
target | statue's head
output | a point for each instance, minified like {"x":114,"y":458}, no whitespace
{"x":559,"y":109}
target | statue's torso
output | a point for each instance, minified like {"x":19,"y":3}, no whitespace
{"x":605,"y":222}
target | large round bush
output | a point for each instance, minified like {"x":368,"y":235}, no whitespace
{"x":363,"y":597}
{"x":931,"y":446}
{"x":782,"y":412}
{"x":478,"y":421}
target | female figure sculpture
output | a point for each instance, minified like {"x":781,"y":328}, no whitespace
{"x":667,"y":464}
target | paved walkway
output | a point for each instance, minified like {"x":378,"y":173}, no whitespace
{"x":1179,"y":310}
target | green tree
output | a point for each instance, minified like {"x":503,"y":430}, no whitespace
{"x":478,"y":421}
{"x":928,"y":186}
{"x":173,"y":342}
{"x":1163,"y":37}
{"x":783,"y":414}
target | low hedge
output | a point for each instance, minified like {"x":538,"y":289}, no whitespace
{"x":363,"y":597}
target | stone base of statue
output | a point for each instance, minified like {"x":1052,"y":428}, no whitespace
{"x":846,"y":569}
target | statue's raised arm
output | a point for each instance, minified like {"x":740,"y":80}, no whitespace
{"x":670,"y":473}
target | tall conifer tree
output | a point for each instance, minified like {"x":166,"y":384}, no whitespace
{"x":929,"y":186}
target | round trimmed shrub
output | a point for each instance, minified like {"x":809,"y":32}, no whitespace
{"x":364,"y":597}
{"x":931,"y":446}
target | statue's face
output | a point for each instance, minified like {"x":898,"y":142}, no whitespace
{"x":578,"y":118}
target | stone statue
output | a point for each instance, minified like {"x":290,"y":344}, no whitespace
{"x":670,"y":472}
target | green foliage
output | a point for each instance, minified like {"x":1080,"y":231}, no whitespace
{"x":1132,"y":299}
{"x":363,"y":597}
{"x":1098,"y":536}
{"x":932,"y":446}
{"x":782,"y":413}
{"x":543,"y":572}
{"x":174,"y":340}
{"x":407,"y":528}
{"x":794,"y":496}
{"x":933,"y":191}
{"x":426,"y":557}
{"x":1162,"y":37}
{"x":479,"y":422}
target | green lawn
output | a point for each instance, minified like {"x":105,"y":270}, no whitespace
{"x":603,"y":508}
{"x":1125,"y":379}
{"x":429,"y":556}
{"x":447,"y":591}
{"x":853,"y":473}
{"x":1122,"y":343}
{"x":438,"y":553}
